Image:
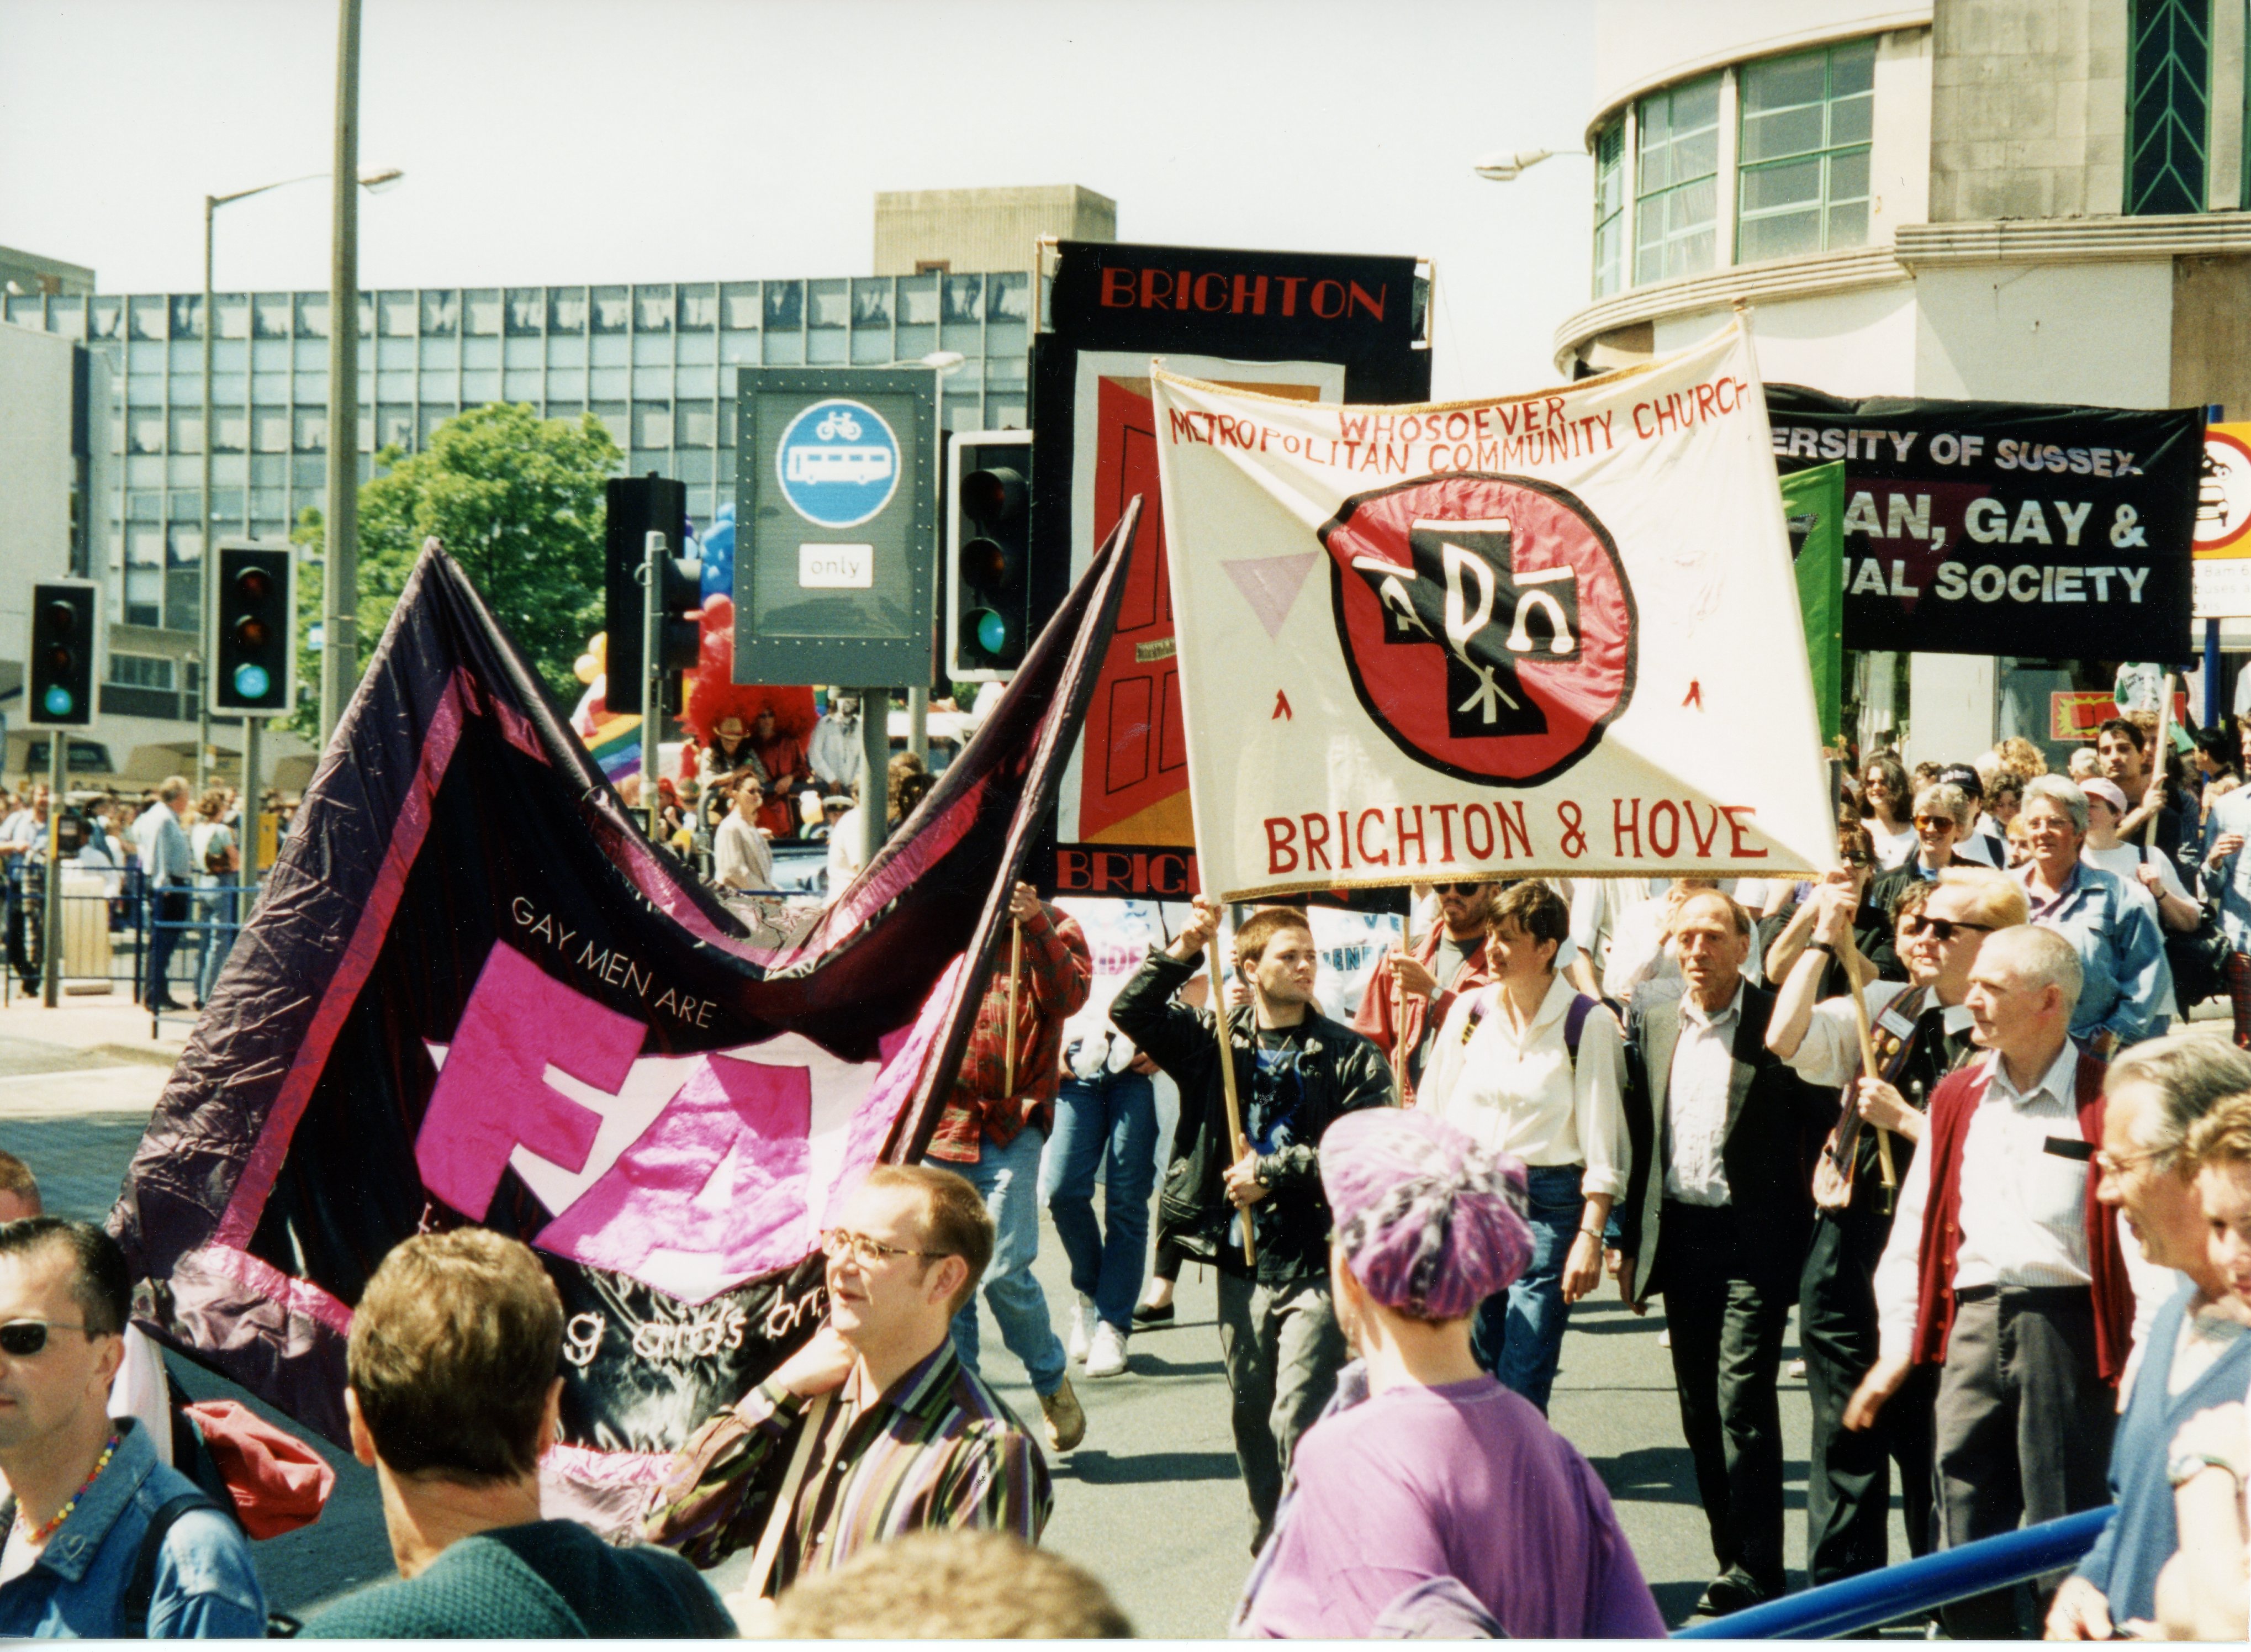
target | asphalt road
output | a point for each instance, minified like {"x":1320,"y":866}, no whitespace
{"x":1150,"y":1503}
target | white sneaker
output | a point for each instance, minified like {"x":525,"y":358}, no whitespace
{"x":1076,"y":1342}
{"x":1107,"y":1357}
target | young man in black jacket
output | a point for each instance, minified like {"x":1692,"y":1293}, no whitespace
{"x":1295,"y":1071}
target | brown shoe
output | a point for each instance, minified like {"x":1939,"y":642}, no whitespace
{"x":1066,"y":1422}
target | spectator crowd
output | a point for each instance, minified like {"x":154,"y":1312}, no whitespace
{"x":1943,"y":1103}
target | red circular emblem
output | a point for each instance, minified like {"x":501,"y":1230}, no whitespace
{"x":1486,"y":622}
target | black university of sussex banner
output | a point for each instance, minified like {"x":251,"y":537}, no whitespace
{"x":1995,"y":527}
{"x":472,"y":994}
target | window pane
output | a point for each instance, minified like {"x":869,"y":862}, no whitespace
{"x":739,"y":307}
{"x":1790,"y":183}
{"x":871,"y":302}
{"x":269,"y":430}
{"x":697,"y":426}
{"x":394,"y":427}
{"x":1782,"y":83}
{"x":1767,"y":138}
{"x":480,"y":312}
{"x":699,"y":307}
{"x":311,"y":427}
{"x":106,"y":318}
{"x":1848,"y":225}
{"x":1848,"y":175}
{"x":148,"y":316}
{"x":652,"y":424}
{"x":612,"y":414}
{"x":652,"y":309}
{"x":441,"y":315}
{"x":231,"y":429}
{"x":1696,"y":104}
{"x":566,"y":350}
{"x":395,"y":314}
{"x":1853,"y":68}
{"x":612,"y":309}
{"x":918,"y":302}
{"x":527,"y":310}
{"x":1010,"y":296}
{"x":829,"y":303}
{"x":1781,"y":235}
{"x":785,"y":306}
{"x":965,"y":298}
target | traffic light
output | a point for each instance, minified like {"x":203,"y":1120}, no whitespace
{"x":64,"y":640}
{"x":639,"y":506}
{"x":988,"y":592}
{"x":253,"y":657}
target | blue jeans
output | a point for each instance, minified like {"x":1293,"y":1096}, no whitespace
{"x":1108,"y":1123}
{"x":1519,"y":1332}
{"x":1008,"y":1177}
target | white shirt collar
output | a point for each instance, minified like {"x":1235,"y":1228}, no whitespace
{"x":1691,"y":1011}
{"x":2056,"y":1081}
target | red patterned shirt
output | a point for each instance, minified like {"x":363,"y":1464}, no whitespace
{"x":1052,"y":981}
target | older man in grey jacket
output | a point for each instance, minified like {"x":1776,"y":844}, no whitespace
{"x":169,"y":861}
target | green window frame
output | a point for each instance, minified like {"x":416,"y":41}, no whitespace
{"x":1804,"y":133}
{"x":2168,"y":105}
{"x":1676,"y":209}
{"x":1609,"y":209}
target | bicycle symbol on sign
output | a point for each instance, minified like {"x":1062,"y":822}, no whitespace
{"x":838,"y":422}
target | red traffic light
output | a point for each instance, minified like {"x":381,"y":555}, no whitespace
{"x":250,"y":632}
{"x":993,"y":497}
{"x":59,"y":622}
{"x":253,"y":585}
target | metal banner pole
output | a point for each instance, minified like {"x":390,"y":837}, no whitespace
{"x":51,"y":920}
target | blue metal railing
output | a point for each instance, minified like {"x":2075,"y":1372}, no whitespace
{"x":1918,"y":1585}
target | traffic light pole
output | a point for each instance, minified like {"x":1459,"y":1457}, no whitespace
{"x":652,"y":674}
{"x":875,"y":770}
{"x":252,"y":816}
{"x":50,"y":919}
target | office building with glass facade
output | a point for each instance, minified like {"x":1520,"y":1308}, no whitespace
{"x":657,"y":363}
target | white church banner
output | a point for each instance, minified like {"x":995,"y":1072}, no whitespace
{"x":1548,"y":633}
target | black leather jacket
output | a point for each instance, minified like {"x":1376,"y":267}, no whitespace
{"x":1341,"y":1071}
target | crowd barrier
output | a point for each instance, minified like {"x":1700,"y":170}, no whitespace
{"x":111,"y":923}
{"x":1874,"y":1598}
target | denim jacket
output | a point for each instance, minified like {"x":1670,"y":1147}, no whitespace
{"x":2121,"y":950}
{"x":206,"y":1587}
{"x":2232,"y":876}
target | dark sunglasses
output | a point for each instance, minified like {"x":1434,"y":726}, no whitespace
{"x":1457,"y":889}
{"x":1934,"y":823}
{"x":1856,"y":859}
{"x":21,"y":1338}
{"x":1945,"y":928}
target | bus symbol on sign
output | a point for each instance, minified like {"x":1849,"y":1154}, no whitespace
{"x":839,"y":463}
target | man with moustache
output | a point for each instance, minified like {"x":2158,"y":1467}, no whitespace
{"x":1409,"y":993}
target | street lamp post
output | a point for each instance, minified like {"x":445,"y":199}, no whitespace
{"x":340,"y":583}
{"x":1504,"y":166}
{"x":206,"y":586}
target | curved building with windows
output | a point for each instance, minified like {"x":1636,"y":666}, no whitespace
{"x":2030,"y":200}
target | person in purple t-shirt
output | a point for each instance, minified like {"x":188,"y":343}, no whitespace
{"x":1427,"y":1487}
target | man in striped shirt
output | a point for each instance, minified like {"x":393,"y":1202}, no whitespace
{"x":913,"y":1438}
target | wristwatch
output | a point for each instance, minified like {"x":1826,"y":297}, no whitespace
{"x":2187,"y":1465}
{"x":1821,"y":946}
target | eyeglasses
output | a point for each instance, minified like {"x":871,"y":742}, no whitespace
{"x":1457,"y":889}
{"x":1855,"y":858}
{"x":1945,"y":928}
{"x":837,"y":1243}
{"x":1936,"y":822}
{"x":22,"y":1338}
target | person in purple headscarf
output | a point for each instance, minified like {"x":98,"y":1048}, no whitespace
{"x":1426,"y":1472}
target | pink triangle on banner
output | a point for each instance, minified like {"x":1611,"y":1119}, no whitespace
{"x":1270,"y":585}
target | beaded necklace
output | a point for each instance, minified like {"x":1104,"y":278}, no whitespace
{"x":37,"y":1539}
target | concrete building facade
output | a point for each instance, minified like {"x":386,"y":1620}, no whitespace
{"x":919,"y":231}
{"x":2028,"y":200}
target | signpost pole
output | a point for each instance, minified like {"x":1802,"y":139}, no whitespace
{"x":252,"y":816}
{"x":874,"y":769}
{"x":652,"y":673}
{"x":50,"y":918}
{"x":2214,"y":413}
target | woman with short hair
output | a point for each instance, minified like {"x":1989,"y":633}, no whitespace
{"x":1528,"y":1066}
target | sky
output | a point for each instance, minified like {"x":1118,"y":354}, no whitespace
{"x":569,"y":141}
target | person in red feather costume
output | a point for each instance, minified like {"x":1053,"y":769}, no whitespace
{"x":740,"y":730}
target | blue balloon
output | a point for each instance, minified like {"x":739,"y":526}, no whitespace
{"x":719,"y":554}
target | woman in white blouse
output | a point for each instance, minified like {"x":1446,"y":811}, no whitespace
{"x":1529,"y":1066}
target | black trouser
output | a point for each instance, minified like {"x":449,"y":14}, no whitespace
{"x":2024,"y":1424}
{"x":1848,"y":1475}
{"x":168,"y":910}
{"x":1726,"y":1329}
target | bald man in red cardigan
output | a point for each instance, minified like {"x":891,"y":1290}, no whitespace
{"x":2005,"y":1272}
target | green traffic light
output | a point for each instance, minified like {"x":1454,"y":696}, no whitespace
{"x":59,"y":701}
{"x":991,"y":631}
{"x":251,"y":681}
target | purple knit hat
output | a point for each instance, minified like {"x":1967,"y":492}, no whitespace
{"x":1429,"y":1222}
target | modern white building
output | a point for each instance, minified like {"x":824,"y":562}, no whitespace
{"x":2026,"y":200}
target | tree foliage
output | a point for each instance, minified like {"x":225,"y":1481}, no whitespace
{"x":518,"y":501}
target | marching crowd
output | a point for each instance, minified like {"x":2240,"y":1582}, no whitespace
{"x":1943,"y":1102}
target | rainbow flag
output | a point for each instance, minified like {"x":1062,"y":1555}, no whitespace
{"x":616,"y":745}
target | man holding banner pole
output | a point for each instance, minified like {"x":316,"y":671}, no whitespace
{"x":1411,"y":990}
{"x":1296,"y":1070}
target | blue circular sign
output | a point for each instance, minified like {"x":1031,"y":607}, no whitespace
{"x":839,"y":463}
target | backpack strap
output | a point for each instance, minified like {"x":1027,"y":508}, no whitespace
{"x":140,"y":1590}
{"x":1575,"y":1023}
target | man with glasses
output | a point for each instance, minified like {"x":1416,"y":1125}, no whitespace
{"x":2196,"y":1353}
{"x":914,"y":1437}
{"x":1409,"y":993}
{"x":2004,"y":1271}
{"x":86,"y":1494}
{"x":1942,"y":814}
{"x":1921,"y":1031}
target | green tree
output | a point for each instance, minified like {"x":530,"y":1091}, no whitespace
{"x":518,"y":501}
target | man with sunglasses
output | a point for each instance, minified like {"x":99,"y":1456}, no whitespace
{"x":1942,"y":814}
{"x":1921,"y":1030}
{"x":86,"y":1493}
{"x":914,"y":1439}
{"x":1409,"y":993}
